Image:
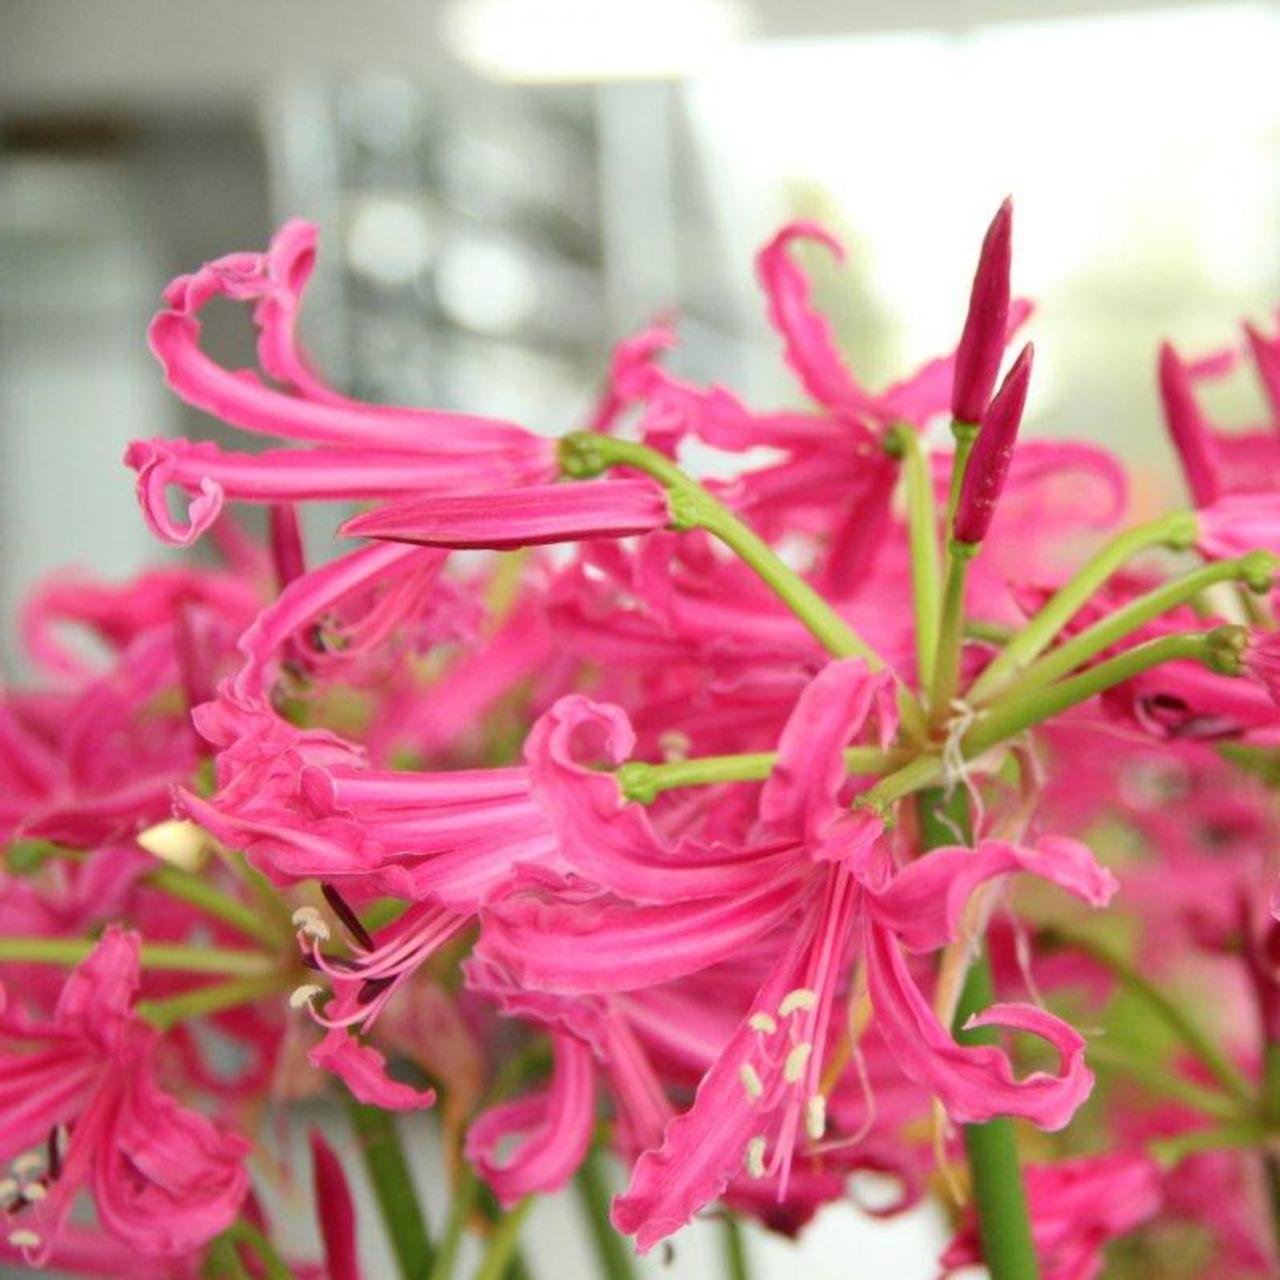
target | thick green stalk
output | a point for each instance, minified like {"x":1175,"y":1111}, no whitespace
{"x":1177,"y":530}
{"x":1004,"y":1221}
{"x":643,"y":781}
{"x":946,"y":672}
{"x":736,"y":1266}
{"x":1174,"y":1016}
{"x":171,"y":1010}
{"x":612,"y":1254}
{"x":1007,"y":718}
{"x":922,"y":527}
{"x":388,"y":1172}
{"x":154,"y":955}
{"x":584,"y":454}
{"x":1255,"y":569}
{"x":502,"y":1243}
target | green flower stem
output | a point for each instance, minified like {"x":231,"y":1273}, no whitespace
{"x":197,"y":892}
{"x":502,"y":1243}
{"x":1175,"y":1017}
{"x":271,"y":1264}
{"x":612,"y":1254}
{"x":154,"y":955}
{"x":643,"y":782}
{"x":388,"y":1172}
{"x":584,"y":454}
{"x":946,"y":670}
{"x":1256,"y":570}
{"x":1155,"y":1078}
{"x":168,"y":1012}
{"x":922,"y":525}
{"x":1177,"y":530}
{"x":965,"y":434}
{"x":465,"y":1197}
{"x":1004,"y":1221}
{"x":1006,"y":719}
{"x":735,"y":1248}
{"x":1172,"y":1151}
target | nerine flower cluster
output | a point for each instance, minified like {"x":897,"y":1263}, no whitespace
{"x":679,"y":825}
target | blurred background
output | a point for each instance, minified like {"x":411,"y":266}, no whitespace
{"x":504,"y":187}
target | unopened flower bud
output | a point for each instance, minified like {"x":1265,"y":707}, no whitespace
{"x":986,"y":325}
{"x":1187,"y":428}
{"x":988,"y":467}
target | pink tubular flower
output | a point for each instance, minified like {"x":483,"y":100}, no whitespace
{"x":1077,"y":1208}
{"x":992,"y":454}
{"x":358,"y":450}
{"x":553,"y":1128}
{"x":163,"y":1178}
{"x":982,"y":343}
{"x":519,"y":517}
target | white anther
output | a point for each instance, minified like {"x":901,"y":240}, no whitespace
{"x":762,"y":1022}
{"x":796,"y":1062}
{"x":755,"y":1157}
{"x":8,"y":1188}
{"x":815,"y":1117}
{"x":309,"y":921}
{"x":34,"y":1192}
{"x":27,"y":1163}
{"x":24,"y":1239}
{"x":794,"y":1001}
{"x":177,"y":842}
{"x":304,"y":994}
{"x":750,"y":1081}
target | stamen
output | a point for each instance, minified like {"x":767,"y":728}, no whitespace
{"x":794,"y":1001}
{"x":755,"y":1157}
{"x":28,"y":1162}
{"x":750,"y":1081}
{"x":796,"y":1062}
{"x":309,"y":921}
{"x":56,"y":1148}
{"x":8,"y":1188}
{"x":24,"y":1239}
{"x":762,"y":1022}
{"x":348,"y":917}
{"x":815,"y":1117}
{"x":34,"y":1192}
{"x":304,"y":994}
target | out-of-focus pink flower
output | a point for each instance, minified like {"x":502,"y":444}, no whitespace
{"x":982,"y":343}
{"x":335,"y":1211}
{"x":164,"y":1179}
{"x":1077,"y":1208}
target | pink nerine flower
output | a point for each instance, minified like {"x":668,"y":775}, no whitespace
{"x":164,"y":1179}
{"x":1077,"y":1208}
{"x":358,"y":450}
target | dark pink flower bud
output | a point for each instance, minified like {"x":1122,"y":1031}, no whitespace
{"x":336,"y":1212}
{"x":984,"y":477}
{"x":1187,"y":428}
{"x":986,"y":326}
